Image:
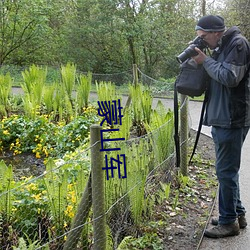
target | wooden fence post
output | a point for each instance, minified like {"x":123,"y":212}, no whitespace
{"x":135,"y":82}
{"x":135,"y":74}
{"x":98,"y":194}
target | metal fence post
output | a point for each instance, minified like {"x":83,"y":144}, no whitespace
{"x":98,"y":199}
{"x":184,"y":135}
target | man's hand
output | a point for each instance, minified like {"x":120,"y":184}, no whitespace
{"x":200,"y":58}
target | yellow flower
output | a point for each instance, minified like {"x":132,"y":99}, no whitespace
{"x":31,"y":187}
{"x":14,"y":209}
{"x":38,"y":155}
{"x":37,"y":196}
{"x":6,"y":132}
{"x":69,"y":211}
{"x":73,"y":199}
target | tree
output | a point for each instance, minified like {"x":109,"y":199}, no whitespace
{"x":237,"y":13}
{"x":20,"y":22}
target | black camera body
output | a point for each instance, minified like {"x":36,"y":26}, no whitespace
{"x":190,"y":51}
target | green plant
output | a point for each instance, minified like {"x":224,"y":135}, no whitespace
{"x":6,"y":196}
{"x":176,"y":199}
{"x":147,"y":241}
{"x":83,"y":91}
{"x":68,"y":74}
{"x":106,"y":91}
{"x":48,"y":98}
{"x":141,"y":103}
{"x":161,"y":127}
{"x":164,"y":191}
{"x":42,"y":136}
{"x":29,"y":245}
{"x":34,"y":81}
{"x":30,"y":208}
{"x":56,"y":187}
{"x":5,"y":90}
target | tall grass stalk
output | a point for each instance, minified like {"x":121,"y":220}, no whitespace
{"x":83,"y":91}
{"x":6,"y":184}
{"x":141,"y":103}
{"x":56,"y":184}
{"x":106,"y":91}
{"x":33,"y":85}
{"x":62,"y":106}
{"x":137,"y":161}
{"x":5,"y":90}
{"x":161,"y":126}
{"x":68,"y":74}
{"x":48,"y":98}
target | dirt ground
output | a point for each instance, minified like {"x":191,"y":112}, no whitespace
{"x":187,"y":223}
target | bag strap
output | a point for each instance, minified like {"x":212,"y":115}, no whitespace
{"x":176,"y":126}
{"x":199,"y":127}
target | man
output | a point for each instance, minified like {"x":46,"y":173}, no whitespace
{"x":228,"y":112}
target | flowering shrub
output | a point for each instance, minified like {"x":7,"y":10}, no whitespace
{"x":43,"y":137}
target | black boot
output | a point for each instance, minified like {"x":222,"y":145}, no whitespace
{"x":221,"y":231}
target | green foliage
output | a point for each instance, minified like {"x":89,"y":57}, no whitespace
{"x":164,"y":191}
{"x":30,"y":206}
{"x":29,"y":245}
{"x":161,"y":125}
{"x":68,"y":74}
{"x":57,"y":188}
{"x":103,"y":36}
{"x":5,"y":90}
{"x":33,"y":85}
{"x":141,"y":103}
{"x":6,"y":184}
{"x":106,"y":91}
{"x":48,"y":98}
{"x":83,"y":91}
{"x":43,"y":137}
{"x":147,"y":241}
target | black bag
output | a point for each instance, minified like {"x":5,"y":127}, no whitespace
{"x":192,"y":80}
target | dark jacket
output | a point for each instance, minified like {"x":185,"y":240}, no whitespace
{"x":229,"y":90}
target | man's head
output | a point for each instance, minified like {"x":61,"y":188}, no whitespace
{"x":211,"y":28}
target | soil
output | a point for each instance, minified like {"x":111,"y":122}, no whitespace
{"x":25,"y":164}
{"x":186,"y":223}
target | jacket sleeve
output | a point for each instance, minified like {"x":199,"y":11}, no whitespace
{"x":234,"y":66}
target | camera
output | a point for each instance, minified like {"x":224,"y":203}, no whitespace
{"x":190,"y":51}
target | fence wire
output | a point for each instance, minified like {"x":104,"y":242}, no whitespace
{"x":54,"y":209}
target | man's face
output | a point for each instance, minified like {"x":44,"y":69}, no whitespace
{"x":211,"y":38}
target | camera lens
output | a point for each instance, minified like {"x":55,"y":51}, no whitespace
{"x":187,"y":53}
{"x":190,"y":51}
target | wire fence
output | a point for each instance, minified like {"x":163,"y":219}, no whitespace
{"x":81,"y":204}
